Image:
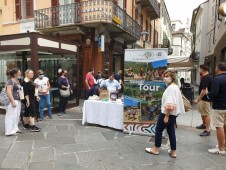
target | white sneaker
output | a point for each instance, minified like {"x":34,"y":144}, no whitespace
{"x":216,"y":151}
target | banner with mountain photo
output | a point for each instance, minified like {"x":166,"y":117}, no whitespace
{"x":143,"y":89}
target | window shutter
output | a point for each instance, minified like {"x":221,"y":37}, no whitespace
{"x":55,"y":2}
{"x":29,"y":9}
{"x":18,"y":9}
{"x":141,"y":23}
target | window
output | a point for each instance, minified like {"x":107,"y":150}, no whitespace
{"x":18,"y":9}
{"x":173,"y":27}
{"x":125,"y":4}
{"x":223,"y":55}
{"x":24,"y":9}
{"x":136,"y":14}
{"x":213,"y":14}
{"x":156,"y":39}
{"x":150,"y":30}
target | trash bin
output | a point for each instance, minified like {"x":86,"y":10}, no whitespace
{"x":188,"y":93}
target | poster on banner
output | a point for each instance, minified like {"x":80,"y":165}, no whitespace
{"x":143,"y":89}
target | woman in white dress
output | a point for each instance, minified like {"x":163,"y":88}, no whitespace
{"x":13,"y":110}
{"x":171,"y":105}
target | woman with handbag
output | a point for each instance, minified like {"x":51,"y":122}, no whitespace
{"x":171,"y":106}
{"x":65,"y":91}
{"x":13,"y":109}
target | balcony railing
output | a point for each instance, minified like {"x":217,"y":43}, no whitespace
{"x":155,"y":5}
{"x":151,"y":7}
{"x":84,"y":13}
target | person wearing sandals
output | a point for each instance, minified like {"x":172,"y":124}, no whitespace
{"x":30,"y":97}
{"x":171,"y":105}
{"x":12,"y":116}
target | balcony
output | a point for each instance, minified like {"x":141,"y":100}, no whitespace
{"x":151,"y":7}
{"x":88,"y":14}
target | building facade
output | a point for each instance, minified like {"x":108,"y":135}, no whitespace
{"x":209,"y":36}
{"x":164,"y":29}
{"x":216,"y":36}
{"x":199,"y":28}
{"x":101,"y":29}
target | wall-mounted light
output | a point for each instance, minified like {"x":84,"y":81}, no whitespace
{"x":143,"y":35}
{"x":222,"y":9}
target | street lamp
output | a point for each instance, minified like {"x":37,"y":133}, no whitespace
{"x":222,"y":9}
{"x":144,"y":34}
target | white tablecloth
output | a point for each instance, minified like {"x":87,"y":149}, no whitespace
{"x":103,"y":113}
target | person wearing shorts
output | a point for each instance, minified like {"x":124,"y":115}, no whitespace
{"x":218,"y":97}
{"x":202,"y":100}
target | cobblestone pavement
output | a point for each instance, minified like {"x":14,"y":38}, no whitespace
{"x":64,"y":144}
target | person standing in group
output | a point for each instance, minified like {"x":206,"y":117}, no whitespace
{"x":118,"y":77}
{"x":202,"y":100}
{"x":30,"y":97}
{"x":63,"y":84}
{"x":217,"y":94}
{"x":90,"y":83}
{"x":12,"y":116}
{"x":112,"y":85}
{"x":171,"y":106}
{"x":43,"y":85}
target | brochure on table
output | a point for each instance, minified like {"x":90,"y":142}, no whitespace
{"x":143,"y":89}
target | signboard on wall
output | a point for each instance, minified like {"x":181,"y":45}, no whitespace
{"x":27,"y":26}
{"x":101,"y":43}
{"x":143,"y":89}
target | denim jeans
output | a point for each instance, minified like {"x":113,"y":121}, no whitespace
{"x":170,"y":126}
{"x":42,"y":101}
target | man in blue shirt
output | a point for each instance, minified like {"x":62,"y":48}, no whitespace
{"x":218,"y":96}
{"x":111,"y":84}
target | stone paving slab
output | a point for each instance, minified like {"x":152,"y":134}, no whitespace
{"x":42,"y":154}
{"x":91,"y":165}
{"x":41,"y":166}
{"x":65,"y":162}
{"x":64,"y":143}
{"x":72,"y":148}
{"x":92,"y":137}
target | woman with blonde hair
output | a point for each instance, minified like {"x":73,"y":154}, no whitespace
{"x":30,"y":97}
{"x":171,"y":105}
{"x":12,"y":116}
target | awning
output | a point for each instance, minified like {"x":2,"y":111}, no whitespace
{"x":35,"y":41}
{"x":180,"y":62}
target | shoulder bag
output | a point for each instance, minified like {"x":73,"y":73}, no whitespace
{"x":187,"y":104}
{"x":4,"y":99}
{"x":66,"y":93}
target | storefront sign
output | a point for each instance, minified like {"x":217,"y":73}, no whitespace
{"x":101,"y":43}
{"x":117,"y":20}
{"x":143,"y":89}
